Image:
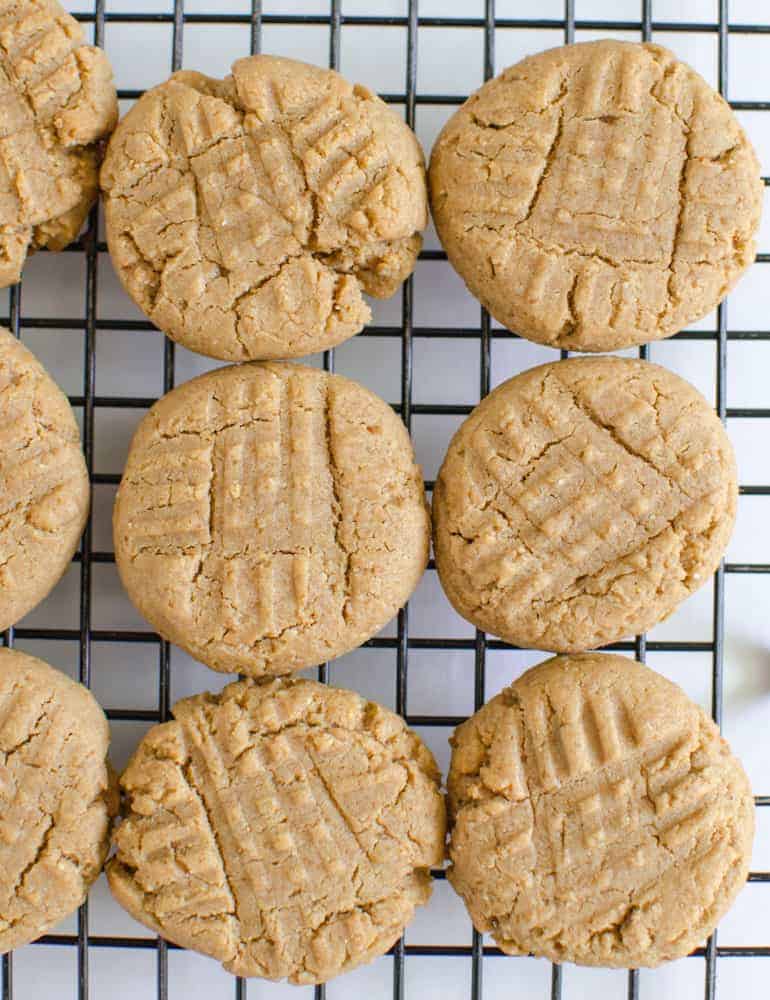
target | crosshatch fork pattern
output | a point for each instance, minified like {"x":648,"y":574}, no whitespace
{"x":477,"y":953}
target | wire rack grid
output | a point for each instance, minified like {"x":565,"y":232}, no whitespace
{"x":403,"y":643}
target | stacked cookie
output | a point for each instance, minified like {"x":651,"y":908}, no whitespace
{"x":271,"y":516}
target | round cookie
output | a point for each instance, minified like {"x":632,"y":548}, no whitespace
{"x":596,"y":196}
{"x":246,"y":216}
{"x":57,"y":101}
{"x":44,"y":491}
{"x":57,"y":797}
{"x":285,"y":828}
{"x":597,"y":816}
{"x":270,"y":517}
{"x":581,"y":502}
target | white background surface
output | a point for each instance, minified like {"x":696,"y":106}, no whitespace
{"x":445,"y":371}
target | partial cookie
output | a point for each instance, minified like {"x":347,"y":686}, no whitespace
{"x":44,"y":491}
{"x":286,"y":828}
{"x":596,"y":196}
{"x":597,"y":816}
{"x":270,"y":517}
{"x":581,"y":502}
{"x":246,"y":216}
{"x":57,"y":101}
{"x":56,"y":796}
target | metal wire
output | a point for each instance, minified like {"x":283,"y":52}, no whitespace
{"x":14,"y":318}
{"x":402,"y":643}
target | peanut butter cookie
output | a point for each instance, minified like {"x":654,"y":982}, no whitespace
{"x":246,"y":216}
{"x":597,"y":816}
{"x":44,"y":491}
{"x":57,"y":101}
{"x":597,"y":196}
{"x":56,"y":796}
{"x":581,"y":502}
{"x":270,"y":517}
{"x":285,"y":828}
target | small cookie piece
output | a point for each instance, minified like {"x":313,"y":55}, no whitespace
{"x":44,"y":491}
{"x":270,"y":517}
{"x":285,"y":828}
{"x":597,"y":816}
{"x":57,"y":101}
{"x":246,"y":216}
{"x":596,"y":196}
{"x":57,"y":797}
{"x":581,"y":502}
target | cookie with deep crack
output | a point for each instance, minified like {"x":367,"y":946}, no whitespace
{"x":581,"y":502}
{"x":596,"y":196}
{"x":597,"y":816}
{"x":246,"y":216}
{"x":57,"y":796}
{"x":44,"y":491}
{"x":57,"y":102}
{"x":285,"y":828}
{"x":270,"y":517}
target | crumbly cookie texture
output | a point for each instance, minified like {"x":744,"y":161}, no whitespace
{"x":57,"y":101}
{"x":581,"y":502}
{"x":285,"y":828}
{"x":44,"y":492}
{"x":57,"y":796}
{"x":597,"y":196}
{"x":597,"y":816}
{"x":246,"y":216}
{"x":270,"y":517}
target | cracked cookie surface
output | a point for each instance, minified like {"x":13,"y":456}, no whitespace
{"x":597,"y":816}
{"x":285,"y":828}
{"x":57,"y":101}
{"x":246,"y":216}
{"x":57,"y":797}
{"x":581,"y":502}
{"x":44,"y":491}
{"x":596,"y":196}
{"x":270,"y":517}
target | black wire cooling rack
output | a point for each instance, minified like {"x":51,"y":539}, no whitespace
{"x":92,"y":249}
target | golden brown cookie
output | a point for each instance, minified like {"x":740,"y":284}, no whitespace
{"x":270,"y":517}
{"x":597,"y":816}
{"x":246,"y":216}
{"x":44,"y":491}
{"x":596,"y":196}
{"x":581,"y":502}
{"x":57,"y":101}
{"x":56,"y":796}
{"x":285,"y":828}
